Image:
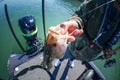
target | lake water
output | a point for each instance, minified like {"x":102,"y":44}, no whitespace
{"x":57,"y":11}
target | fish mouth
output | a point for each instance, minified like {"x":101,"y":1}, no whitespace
{"x":55,"y":36}
{"x":56,"y":42}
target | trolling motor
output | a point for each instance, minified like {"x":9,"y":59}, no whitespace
{"x":29,"y":30}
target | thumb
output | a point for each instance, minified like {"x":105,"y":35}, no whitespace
{"x":70,"y":38}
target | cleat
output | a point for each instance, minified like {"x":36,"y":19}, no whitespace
{"x":57,"y":63}
{"x":71,"y":63}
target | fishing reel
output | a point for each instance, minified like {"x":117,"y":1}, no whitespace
{"x":108,"y":61}
{"x":29,"y":30}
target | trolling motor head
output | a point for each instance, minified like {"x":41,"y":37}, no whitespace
{"x":29,"y":30}
{"x":28,"y":27}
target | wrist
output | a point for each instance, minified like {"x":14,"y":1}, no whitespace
{"x":78,"y":21}
{"x":74,"y":23}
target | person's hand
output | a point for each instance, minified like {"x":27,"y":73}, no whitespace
{"x":108,"y":53}
{"x":72,"y":28}
{"x":58,"y":37}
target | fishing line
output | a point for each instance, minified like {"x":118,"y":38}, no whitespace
{"x":11,"y":28}
{"x":108,"y":2}
{"x":44,"y":30}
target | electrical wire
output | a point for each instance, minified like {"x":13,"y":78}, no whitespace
{"x":11,"y":28}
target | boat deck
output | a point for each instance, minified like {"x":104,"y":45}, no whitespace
{"x":61,"y":72}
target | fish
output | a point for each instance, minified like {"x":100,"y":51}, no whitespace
{"x":57,"y":41}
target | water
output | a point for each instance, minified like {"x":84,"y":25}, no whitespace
{"x":57,"y":11}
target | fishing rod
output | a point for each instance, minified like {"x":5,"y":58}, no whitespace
{"x":11,"y":28}
{"x":43,"y":18}
{"x":43,"y":64}
{"x":108,"y":62}
{"x":46,"y":63}
{"x":104,"y":4}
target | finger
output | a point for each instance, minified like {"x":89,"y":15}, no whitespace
{"x":72,"y":36}
{"x":71,"y":29}
{"x":70,"y":39}
{"x":69,"y":26}
{"x":76,"y":33}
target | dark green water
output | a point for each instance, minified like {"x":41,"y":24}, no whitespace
{"x":57,"y":11}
